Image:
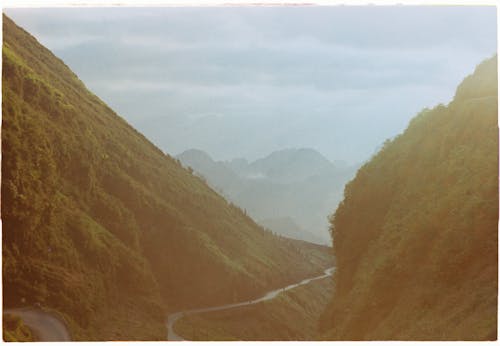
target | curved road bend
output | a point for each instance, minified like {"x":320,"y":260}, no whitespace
{"x":44,"y":325}
{"x":172,"y":318}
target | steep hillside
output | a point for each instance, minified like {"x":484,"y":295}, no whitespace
{"x":104,"y":229}
{"x":415,"y":238}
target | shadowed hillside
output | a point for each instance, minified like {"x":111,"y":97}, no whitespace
{"x":415,"y":238}
{"x":102,"y":227}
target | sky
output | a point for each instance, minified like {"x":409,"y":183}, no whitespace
{"x":246,"y":81}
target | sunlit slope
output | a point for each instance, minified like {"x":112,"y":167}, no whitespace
{"x":416,"y":237}
{"x":101,"y":226}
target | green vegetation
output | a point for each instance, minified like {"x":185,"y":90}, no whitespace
{"x":416,"y":237}
{"x":292,"y":315}
{"x":15,"y":330}
{"x":103,"y":227}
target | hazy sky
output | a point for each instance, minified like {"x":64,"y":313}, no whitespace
{"x":244,"y":81}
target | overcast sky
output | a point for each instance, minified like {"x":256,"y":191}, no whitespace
{"x":245,"y":81}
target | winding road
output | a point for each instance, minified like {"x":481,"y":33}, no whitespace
{"x":46,"y":326}
{"x":172,"y":318}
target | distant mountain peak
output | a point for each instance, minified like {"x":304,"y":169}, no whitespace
{"x":198,"y":153}
{"x":291,"y":164}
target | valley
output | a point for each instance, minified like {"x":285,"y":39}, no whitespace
{"x":109,"y":236}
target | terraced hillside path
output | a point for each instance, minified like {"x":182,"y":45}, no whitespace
{"x":172,"y":318}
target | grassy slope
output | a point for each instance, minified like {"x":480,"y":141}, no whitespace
{"x":416,"y":237}
{"x":102,"y":226}
{"x":293,"y":315}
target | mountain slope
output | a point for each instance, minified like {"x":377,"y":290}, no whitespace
{"x":415,"y":238}
{"x":101,"y":227}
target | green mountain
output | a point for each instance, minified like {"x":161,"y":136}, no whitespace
{"x":104,"y":229}
{"x":415,"y":238}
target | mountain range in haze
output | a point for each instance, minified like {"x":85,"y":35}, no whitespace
{"x":290,"y":191}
